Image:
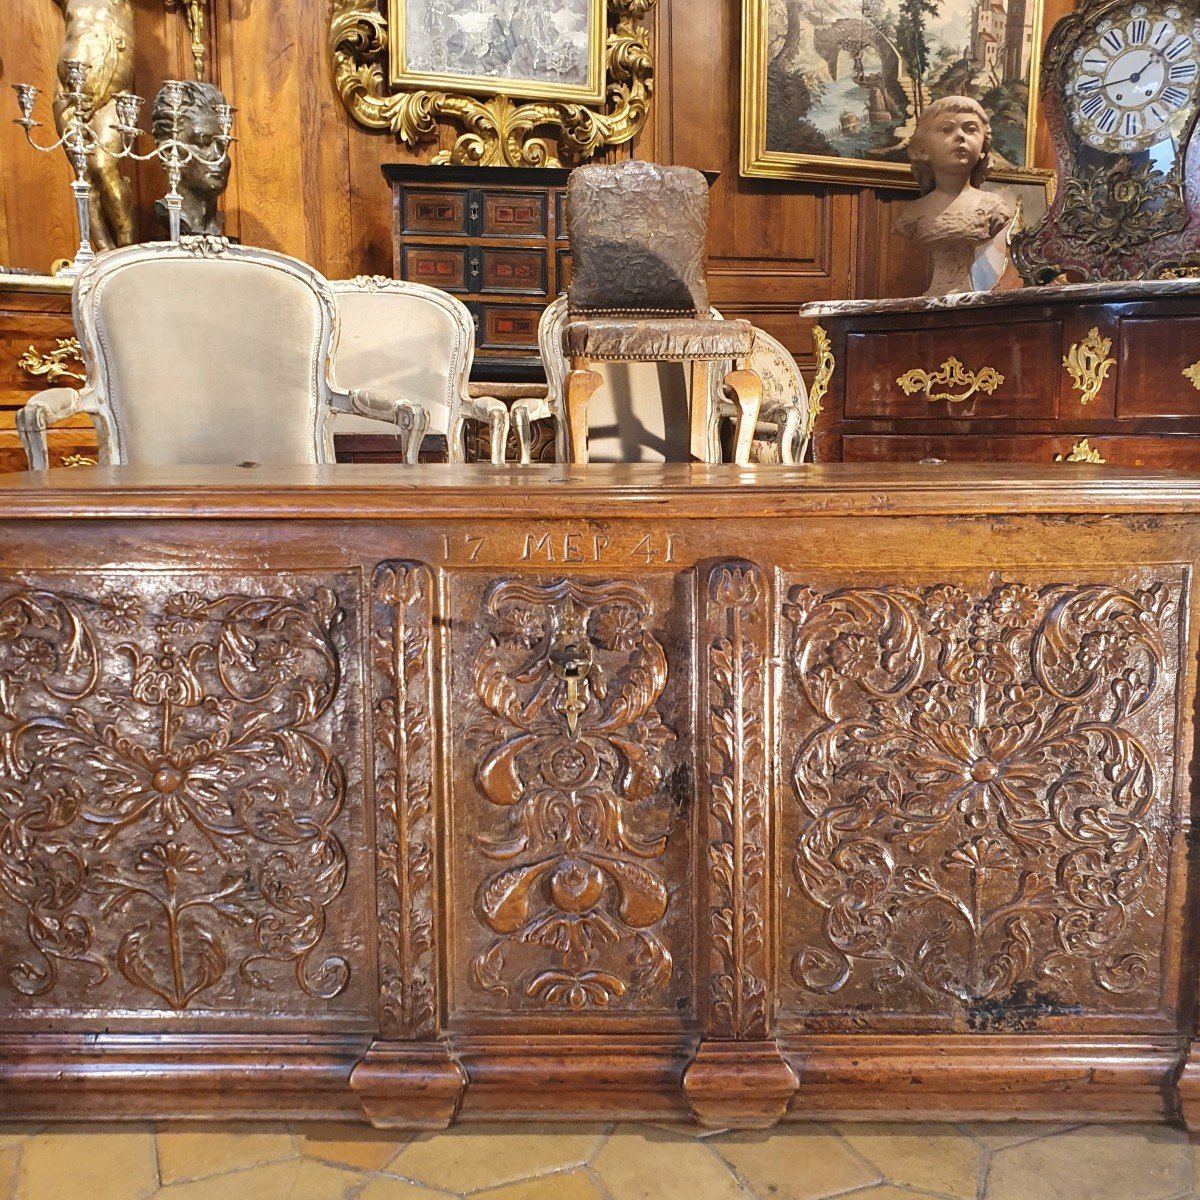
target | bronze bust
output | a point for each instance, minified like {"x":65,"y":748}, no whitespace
{"x":206,"y":175}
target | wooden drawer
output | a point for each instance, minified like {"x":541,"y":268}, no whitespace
{"x":499,"y":269}
{"x":1181,"y":453}
{"x":434,"y":211}
{"x":507,"y":326}
{"x":1018,"y":361}
{"x":514,"y":214}
{"x":1159,"y":367}
{"x":439,"y":266}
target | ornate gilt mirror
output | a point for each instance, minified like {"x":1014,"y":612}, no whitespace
{"x":519,"y":82}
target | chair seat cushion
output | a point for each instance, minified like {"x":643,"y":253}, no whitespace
{"x":657,"y":339}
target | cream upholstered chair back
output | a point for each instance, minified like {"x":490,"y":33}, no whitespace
{"x":206,"y":352}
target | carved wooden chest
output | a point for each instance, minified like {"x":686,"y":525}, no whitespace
{"x":627,"y":791}
{"x":1103,"y":373}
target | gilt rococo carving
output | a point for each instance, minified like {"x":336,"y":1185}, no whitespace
{"x":502,"y":130}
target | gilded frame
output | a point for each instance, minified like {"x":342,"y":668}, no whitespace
{"x":757,"y":161}
{"x":405,"y":76}
{"x":493,"y":128}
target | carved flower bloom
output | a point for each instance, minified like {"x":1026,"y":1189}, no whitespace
{"x":184,"y":612}
{"x":851,"y":653}
{"x":947,"y":606}
{"x":170,"y":860}
{"x":31,"y":658}
{"x":1101,"y":650}
{"x":520,"y":625}
{"x":1014,"y":606}
{"x":121,"y":614}
{"x":617,"y":627}
{"x":981,"y":854}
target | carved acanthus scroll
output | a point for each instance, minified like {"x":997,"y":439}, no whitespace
{"x":404,"y":734}
{"x":170,"y":796}
{"x":980,"y":815}
{"x":736,"y":637}
{"x":573,"y":752}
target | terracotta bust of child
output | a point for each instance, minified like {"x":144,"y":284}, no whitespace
{"x":950,"y":152}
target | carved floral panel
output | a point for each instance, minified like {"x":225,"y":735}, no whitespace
{"x":978,"y":798}
{"x":180,"y":798}
{"x":572,"y":851}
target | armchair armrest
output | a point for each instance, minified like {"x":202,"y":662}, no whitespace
{"x":411,"y":419}
{"x":39,"y":413}
{"x":494,"y":413}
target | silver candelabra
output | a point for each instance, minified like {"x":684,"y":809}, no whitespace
{"x":80,"y":140}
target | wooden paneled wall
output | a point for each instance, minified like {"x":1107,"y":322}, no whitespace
{"x":306,"y":179}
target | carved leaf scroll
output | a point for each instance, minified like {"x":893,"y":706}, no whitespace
{"x":980,"y":827}
{"x":404,"y":733}
{"x":169,"y":795}
{"x":737,"y":824}
{"x":573,"y":754}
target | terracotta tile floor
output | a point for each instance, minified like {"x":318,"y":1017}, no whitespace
{"x":598,"y":1162}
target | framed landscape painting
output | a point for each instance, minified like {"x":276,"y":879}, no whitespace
{"x":533,"y":49}
{"x":832,"y":89}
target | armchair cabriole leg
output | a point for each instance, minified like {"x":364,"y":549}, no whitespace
{"x":498,"y":423}
{"x":524,"y":431}
{"x":33,"y":439}
{"x":746,"y":387}
{"x":700,"y":442}
{"x":582,"y":383}
{"x":416,"y":422}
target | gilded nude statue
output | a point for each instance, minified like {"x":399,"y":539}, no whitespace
{"x":99,"y":33}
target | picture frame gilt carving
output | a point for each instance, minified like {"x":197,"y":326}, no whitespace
{"x":552,"y":83}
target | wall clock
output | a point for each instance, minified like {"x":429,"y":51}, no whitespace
{"x":1121,"y":92}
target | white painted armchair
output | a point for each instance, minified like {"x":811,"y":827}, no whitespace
{"x":781,"y":433}
{"x":400,"y":338}
{"x":206,"y":352}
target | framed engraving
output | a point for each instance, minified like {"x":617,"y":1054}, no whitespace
{"x":832,"y":89}
{"x":551,"y":49}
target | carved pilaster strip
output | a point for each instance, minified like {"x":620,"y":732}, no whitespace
{"x":403,"y":723}
{"x":735,"y":640}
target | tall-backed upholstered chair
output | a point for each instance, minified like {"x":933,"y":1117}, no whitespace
{"x":638,"y":235}
{"x":781,"y":435}
{"x":206,"y":352}
{"x":417,"y":342}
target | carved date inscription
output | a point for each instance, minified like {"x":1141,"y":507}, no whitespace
{"x":171,"y":802}
{"x":571,"y":759}
{"x":982,"y":797}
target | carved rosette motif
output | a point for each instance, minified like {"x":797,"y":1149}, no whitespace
{"x":404,"y":732}
{"x":980,"y":831}
{"x":736,"y":637}
{"x":499,"y":131}
{"x":169,"y":796}
{"x":573,"y":751}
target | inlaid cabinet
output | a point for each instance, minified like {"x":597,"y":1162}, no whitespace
{"x":1091,"y":372}
{"x":496,"y":237}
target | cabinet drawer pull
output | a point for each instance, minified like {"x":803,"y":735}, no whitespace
{"x":1088,"y":363}
{"x":1192,"y":375}
{"x":950,"y":374}
{"x":1081,"y":452}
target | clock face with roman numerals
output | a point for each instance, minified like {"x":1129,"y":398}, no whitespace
{"x":1133,"y":78}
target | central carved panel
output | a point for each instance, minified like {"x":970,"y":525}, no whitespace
{"x":177,"y":819}
{"x":974,"y":827}
{"x":570,"y":699}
